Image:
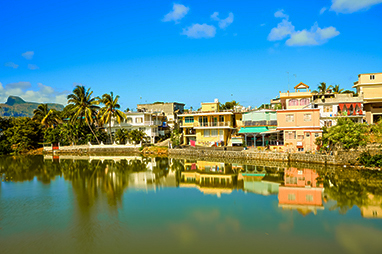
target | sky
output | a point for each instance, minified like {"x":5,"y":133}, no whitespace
{"x":185,"y":51}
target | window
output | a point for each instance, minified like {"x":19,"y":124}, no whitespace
{"x":206,"y":133}
{"x":221,"y":132}
{"x":372,"y":77}
{"x":291,"y":180}
{"x":139,"y":120}
{"x":289,"y":118}
{"x":309,"y":198}
{"x":307,"y":134}
{"x":129,"y":120}
{"x":203,"y":121}
{"x":221,"y":118}
{"x":214,"y":133}
{"x":291,"y":135}
{"x":189,"y":119}
{"x":293,"y":102}
{"x":291,"y":197}
{"x":328,"y":109}
{"x":316,"y":135}
{"x":307,"y":117}
{"x":300,"y":149}
{"x":304,"y":102}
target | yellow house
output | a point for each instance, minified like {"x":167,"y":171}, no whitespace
{"x":369,"y":87}
{"x":209,"y":126}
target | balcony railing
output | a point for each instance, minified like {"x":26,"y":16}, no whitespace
{"x":260,"y":123}
{"x":212,"y":124}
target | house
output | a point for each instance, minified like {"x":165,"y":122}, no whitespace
{"x":143,"y":121}
{"x":299,"y":99}
{"x":369,"y":87}
{"x":340,"y":105}
{"x":213,"y":178}
{"x":169,"y":110}
{"x":300,"y":128}
{"x":259,"y":128}
{"x":209,"y":126}
{"x":301,"y":191}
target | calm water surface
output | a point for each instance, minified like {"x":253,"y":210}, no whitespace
{"x":161,"y":205}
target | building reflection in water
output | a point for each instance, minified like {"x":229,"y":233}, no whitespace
{"x":302,"y":191}
{"x":299,"y":189}
{"x":261,"y":179}
{"x":214,"y":178}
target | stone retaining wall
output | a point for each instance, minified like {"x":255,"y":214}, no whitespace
{"x":92,"y":150}
{"x":341,"y":159}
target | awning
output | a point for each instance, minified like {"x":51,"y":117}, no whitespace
{"x":271,"y":131}
{"x":244,"y":130}
{"x":237,"y":141}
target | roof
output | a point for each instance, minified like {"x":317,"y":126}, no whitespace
{"x":301,"y":86}
{"x":244,"y":130}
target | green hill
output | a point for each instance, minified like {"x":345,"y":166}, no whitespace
{"x":17,"y":107}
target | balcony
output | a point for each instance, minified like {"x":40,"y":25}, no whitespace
{"x":260,"y":123}
{"x":211,"y":124}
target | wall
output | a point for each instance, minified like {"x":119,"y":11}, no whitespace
{"x":342,"y":158}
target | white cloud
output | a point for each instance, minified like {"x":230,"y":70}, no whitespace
{"x":200,"y":31}
{"x":177,"y":13}
{"x":283,"y":29}
{"x":281,"y":14}
{"x":350,"y":6}
{"x":223,"y":23}
{"x":323,"y":9}
{"x":33,"y":67}
{"x":42,"y":94}
{"x":215,"y":15}
{"x":11,"y":64}
{"x":314,"y":36}
{"x":28,"y":55}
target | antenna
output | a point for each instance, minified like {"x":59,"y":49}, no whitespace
{"x":288,"y":79}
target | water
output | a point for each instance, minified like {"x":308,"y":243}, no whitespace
{"x":161,"y":205}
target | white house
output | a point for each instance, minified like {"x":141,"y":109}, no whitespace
{"x":146,"y":122}
{"x":342,"y":105}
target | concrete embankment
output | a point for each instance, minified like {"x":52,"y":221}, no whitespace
{"x":342,"y":159}
{"x":86,"y":149}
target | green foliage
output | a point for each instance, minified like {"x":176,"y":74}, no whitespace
{"x":369,"y":160}
{"x":137,"y":136}
{"x":345,"y":135}
{"x":110,"y":111}
{"x":175,"y":137}
{"x":22,"y":134}
{"x":228,"y":105}
{"x":84,"y":106}
{"x":122,"y":136}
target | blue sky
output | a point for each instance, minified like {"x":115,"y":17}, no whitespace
{"x":185,"y":51}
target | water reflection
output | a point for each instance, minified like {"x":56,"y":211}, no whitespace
{"x":302,"y":189}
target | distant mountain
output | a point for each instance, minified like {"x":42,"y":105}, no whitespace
{"x":17,"y":107}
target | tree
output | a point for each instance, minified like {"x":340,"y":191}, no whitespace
{"x":136,"y":136}
{"x":345,"y":135}
{"x":337,"y":90}
{"x":23,"y":134}
{"x":110,"y":110}
{"x":84,"y":106}
{"x":47,"y":117}
{"x":122,"y":135}
{"x":228,"y":105}
{"x":175,"y":137}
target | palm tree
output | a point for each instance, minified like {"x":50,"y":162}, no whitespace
{"x":84,"y":106}
{"x":47,"y":117}
{"x":110,"y":110}
{"x":337,"y":90}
